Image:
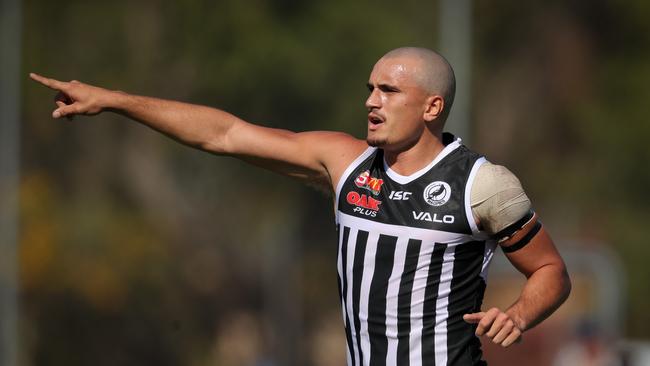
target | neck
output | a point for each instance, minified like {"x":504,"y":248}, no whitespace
{"x":415,"y":157}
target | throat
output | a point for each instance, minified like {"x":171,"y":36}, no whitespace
{"x":412,"y":160}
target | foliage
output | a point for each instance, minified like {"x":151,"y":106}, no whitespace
{"x":146,"y":252}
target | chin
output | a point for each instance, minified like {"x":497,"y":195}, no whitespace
{"x":375,"y":142}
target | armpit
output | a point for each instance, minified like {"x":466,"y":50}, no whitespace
{"x":497,"y":198}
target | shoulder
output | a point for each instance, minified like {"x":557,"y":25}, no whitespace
{"x":337,"y":150}
{"x":497,"y":198}
{"x":335,"y":147}
{"x":492,"y":177}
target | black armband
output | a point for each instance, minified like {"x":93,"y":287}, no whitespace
{"x":525,"y":240}
{"x":509,"y":231}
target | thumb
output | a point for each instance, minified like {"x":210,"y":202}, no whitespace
{"x":64,"y":110}
{"x":473,"y":318}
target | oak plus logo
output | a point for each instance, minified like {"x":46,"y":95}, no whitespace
{"x":365,"y":205}
{"x":365,"y":181}
{"x":437,"y":193}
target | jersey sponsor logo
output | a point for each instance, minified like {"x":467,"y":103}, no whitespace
{"x":365,"y":181}
{"x":366,"y":205}
{"x":400,"y":195}
{"x":425,"y":216}
{"x":437,"y":193}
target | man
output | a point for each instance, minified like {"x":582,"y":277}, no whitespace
{"x":418,"y":214}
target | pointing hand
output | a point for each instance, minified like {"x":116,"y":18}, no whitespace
{"x":74,"y":97}
{"x":496,"y":325}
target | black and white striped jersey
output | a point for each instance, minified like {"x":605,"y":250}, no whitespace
{"x":411,"y":260}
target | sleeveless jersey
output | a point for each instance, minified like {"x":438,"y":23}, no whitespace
{"x":411,"y":260}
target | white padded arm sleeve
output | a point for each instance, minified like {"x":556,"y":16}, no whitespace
{"x":497,"y":198}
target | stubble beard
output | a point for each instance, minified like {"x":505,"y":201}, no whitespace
{"x":376,"y":142}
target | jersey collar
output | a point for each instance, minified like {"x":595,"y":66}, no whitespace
{"x":404,"y":179}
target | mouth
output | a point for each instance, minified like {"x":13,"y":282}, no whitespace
{"x":374,"y":121}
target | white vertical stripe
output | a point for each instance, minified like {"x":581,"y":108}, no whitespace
{"x":417,"y":303}
{"x":392,"y":299}
{"x":366,"y":280}
{"x":442,"y":311}
{"x":352,"y":240}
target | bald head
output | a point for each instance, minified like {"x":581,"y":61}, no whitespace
{"x":434,"y":74}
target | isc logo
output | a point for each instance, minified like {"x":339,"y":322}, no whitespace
{"x":400,"y":195}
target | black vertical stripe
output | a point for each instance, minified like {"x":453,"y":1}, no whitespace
{"x":339,"y":256}
{"x":404,"y":301}
{"x":466,"y":295}
{"x":344,"y":290}
{"x":357,"y":274}
{"x":384,"y":259}
{"x":429,"y":308}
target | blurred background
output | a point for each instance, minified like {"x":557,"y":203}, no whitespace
{"x":122,"y":247}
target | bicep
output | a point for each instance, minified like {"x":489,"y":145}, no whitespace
{"x":504,"y":211}
{"x":307,"y":156}
{"x":538,"y":251}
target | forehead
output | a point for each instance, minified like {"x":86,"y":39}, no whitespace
{"x":396,"y":71}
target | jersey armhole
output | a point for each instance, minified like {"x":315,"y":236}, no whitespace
{"x":339,"y":186}
{"x":468,"y":198}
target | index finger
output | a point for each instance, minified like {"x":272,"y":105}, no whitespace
{"x":50,"y":83}
{"x":474,"y":317}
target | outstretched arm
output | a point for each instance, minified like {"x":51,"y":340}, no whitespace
{"x":315,"y":157}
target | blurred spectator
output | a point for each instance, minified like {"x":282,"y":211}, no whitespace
{"x":590,"y":348}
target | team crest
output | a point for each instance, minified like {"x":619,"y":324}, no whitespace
{"x":365,"y":181}
{"x":437,"y":193}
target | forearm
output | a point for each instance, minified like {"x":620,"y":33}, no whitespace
{"x":545,"y":290}
{"x":195,"y":125}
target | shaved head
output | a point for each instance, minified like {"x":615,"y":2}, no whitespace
{"x":434,"y":74}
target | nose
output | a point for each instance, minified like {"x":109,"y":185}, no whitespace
{"x":373,"y":101}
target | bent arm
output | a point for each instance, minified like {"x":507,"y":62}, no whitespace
{"x":547,"y":285}
{"x":315,"y":157}
{"x":503,"y":210}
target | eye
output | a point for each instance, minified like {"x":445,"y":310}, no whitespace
{"x":370,"y":87}
{"x":388,"y":89}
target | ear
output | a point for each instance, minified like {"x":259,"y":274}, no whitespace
{"x":433,"y":108}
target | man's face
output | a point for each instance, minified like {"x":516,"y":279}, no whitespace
{"x":396,"y":104}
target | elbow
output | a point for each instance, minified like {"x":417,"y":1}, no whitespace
{"x":565,"y":285}
{"x":219,"y":140}
{"x":213,"y":146}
